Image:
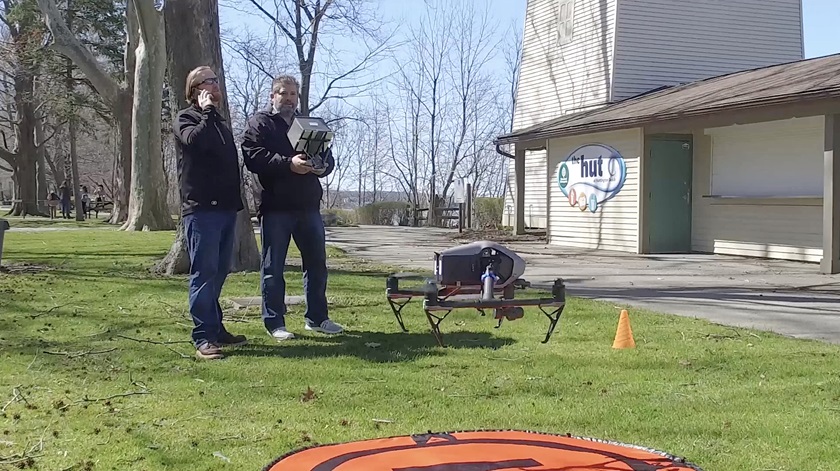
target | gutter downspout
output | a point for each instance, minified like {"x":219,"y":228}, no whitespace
{"x":519,"y":197}
{"x":500,"y":151}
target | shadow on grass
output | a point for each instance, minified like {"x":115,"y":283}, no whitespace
{"x":28,"y":256}
{"x":378,"y":347}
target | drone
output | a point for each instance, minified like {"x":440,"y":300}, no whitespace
{"x":472,"y":276}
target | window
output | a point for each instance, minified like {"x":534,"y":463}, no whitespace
{"x":770,"y":159}
{"x":565,"y":21}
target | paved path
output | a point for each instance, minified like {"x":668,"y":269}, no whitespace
{"x":785,"y":297}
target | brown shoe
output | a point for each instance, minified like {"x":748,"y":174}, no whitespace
{"x":209,"y":351}
{"x":227,"y":339}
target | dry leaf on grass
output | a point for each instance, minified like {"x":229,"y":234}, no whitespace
{"x":309,"y":395}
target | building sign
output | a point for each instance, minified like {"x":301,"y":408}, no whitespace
{"x":591,"y":175}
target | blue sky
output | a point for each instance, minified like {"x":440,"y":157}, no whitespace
{"x":821,"y":24}
{"x":821,"y":19}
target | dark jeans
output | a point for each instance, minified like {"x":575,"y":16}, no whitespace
{"x":65,"y":209}
{"x":210,"y":237}
{"x":307,"y":229}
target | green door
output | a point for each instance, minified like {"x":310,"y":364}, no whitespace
{"x":669,"y":195}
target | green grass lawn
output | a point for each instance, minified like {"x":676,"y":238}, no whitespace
{"x":96,"y":372}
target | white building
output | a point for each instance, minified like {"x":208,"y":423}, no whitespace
{"x":581,"y":54}
{"x":699,"y":126}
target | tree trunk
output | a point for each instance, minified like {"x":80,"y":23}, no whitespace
{"x":71,"y":130}
{"x":27,"y":188}
{"x":192,"y":31}
{"x":43,"y":191}
{"x":25,"y":169}
{"x":74,"y":168}
{"x":122,"y":167}
{"x":147,"y":208}
{"x":177,"y":261}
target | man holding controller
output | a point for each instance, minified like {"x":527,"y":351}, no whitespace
{"x":289,"y":208}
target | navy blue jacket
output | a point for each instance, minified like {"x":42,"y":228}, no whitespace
{"x":208,"y":169}
{"x":268,"y":153}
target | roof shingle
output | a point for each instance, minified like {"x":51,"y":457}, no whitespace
{"x":793,"y":82}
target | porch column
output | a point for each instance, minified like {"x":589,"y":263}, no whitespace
{"x":519,"y":211}
{"x":830,"y":263}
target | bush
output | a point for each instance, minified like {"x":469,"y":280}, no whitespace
{"x":488,"y":212}
{"x":386,"y":213}
{"x":339,"y":217}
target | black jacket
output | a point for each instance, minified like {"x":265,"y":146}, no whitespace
{"x":268,"y":153}
{"x":208,"y":170}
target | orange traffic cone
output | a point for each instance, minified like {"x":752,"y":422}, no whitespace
{"x":624,"y":334}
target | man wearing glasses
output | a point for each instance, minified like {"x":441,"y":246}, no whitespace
{"x":208,"y":174}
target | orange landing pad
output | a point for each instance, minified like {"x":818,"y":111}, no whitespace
{"x":480,"y":451}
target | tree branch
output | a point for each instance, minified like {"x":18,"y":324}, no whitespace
{"x":9,"y":157}
{"x":47,"y":139}
{"x":66,"y":43}
{"x":273,"y":19}
{"x":361,"y":65}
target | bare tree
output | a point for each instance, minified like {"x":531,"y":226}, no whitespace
{"x":433,"y":38}
{"x":196,"y":25}
{"x":472,"y":86}
{"x":405,"y":132}
{"x":117,"y":93}
{"x":307,"y":25}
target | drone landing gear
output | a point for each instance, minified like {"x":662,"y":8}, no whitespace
{"x":436,"y":300}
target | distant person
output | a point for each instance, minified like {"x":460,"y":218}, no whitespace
{"x":208,"y":175}
{"x":99,"y":193}
{"x":52,"y":204}
{"x":64,"y":192}
{"x":85,"y":200}
{"x":290,"y":205}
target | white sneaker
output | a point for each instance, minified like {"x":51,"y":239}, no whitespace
{"x":326,"y":327}
{"x":281,"y":334}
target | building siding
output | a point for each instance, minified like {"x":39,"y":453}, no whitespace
{"x":536,"y":190}
{"x":558,"y":77}
{"x":615,"y":225}
{"x":765,"y":227}
{"x":669,"y":42}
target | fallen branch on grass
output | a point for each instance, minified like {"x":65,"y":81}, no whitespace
{"x":16,"y":459}
{"x":153,"y":342}
{"x":179,"y":353}
{"x":26,"y":457}
{"x":49,"y":311}
{"x":114,"y":396}
{"x":16,"y":396}
{"x":80,"y":354}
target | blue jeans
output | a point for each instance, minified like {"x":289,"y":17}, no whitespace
{"x":210,"y":236}
{"x":307,"y":229}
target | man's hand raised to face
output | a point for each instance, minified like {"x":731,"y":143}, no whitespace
{"x":205,"y":99}
{"x":300,"y":165}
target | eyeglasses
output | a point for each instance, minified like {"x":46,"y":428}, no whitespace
{"x":209,"y":81}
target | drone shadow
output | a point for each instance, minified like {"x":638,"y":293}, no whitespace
{"x":377,"y":347}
